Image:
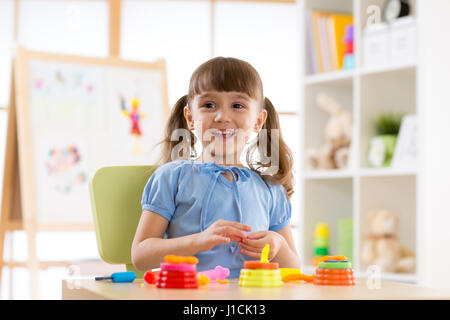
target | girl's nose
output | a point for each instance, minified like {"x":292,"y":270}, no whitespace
{"x":222,"y":115}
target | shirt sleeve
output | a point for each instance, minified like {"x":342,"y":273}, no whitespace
{"x":280,"y":214}
{"x":160,"y":191}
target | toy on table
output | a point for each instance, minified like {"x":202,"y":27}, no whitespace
{"x":321,"y":242}
{"x":334,"y":271}
{"x":349,"y":57}
{"x":178,"y":272}
{"x":218,"y":272}
{"x":203,"y":280}
{"x":261,"y":273}
{"x":151,"y":277}
{"x":293,"y":274}
{"x":128,"y":276}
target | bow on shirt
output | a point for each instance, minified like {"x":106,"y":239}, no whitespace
{"x":216,"y":171}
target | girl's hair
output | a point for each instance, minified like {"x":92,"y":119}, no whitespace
{"x":230,"y":74}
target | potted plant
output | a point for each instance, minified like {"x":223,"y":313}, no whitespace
{"x":382,"y":146}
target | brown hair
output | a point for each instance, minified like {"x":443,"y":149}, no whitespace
{"x":230,"y":74}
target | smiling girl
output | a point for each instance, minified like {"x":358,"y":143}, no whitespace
{"x":212,"y":205}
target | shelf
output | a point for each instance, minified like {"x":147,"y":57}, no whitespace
{"x":397,"y":68}
{"x":335,"y":76}
{"x":328,"y":174}
{"x":384,"y":172}
{"x":352,"y":193}
{"x":347,"y":75}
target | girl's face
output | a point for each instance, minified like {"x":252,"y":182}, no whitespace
{"x":224,"y":122}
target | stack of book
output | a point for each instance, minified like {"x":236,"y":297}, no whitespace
{"x":325,"y":33}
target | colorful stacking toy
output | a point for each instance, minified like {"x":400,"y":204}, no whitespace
{"x":261,"y":273}
{"x":334,"y":271}
{"x":178,"y":272}
{"x":321,"y":242}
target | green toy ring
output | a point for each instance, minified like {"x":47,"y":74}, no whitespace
{"x":335,"y":265}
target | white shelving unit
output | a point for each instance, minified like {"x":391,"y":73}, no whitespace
{"x":331,"y":195}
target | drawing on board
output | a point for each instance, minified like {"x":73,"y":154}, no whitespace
{"x":135,"y":116}
{"x":85,"y":116}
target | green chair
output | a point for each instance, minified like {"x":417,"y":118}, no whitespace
{"x":116,"y":194}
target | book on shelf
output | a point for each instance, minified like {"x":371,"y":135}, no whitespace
{"x":325,"y":40}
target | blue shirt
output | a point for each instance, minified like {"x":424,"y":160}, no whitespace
{"x":193,"y":195}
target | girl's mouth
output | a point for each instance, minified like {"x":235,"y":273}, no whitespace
{"x":226,"y":134}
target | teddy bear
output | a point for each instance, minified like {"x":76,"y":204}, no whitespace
{"x":381,"y":247}
{"x":334,"y":153}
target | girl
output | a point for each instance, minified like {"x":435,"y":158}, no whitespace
{"x":211,"y":206}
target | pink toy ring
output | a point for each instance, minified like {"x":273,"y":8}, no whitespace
{"x":182,"y":267}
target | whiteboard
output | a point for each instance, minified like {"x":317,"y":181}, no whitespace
{"x":85,"y":114}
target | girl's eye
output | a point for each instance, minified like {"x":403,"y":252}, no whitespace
{"x":208,"y":104}
{"x":240,"y":106}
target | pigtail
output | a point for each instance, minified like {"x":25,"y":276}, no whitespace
{"x":284,"y":155}
{"x":176,"y":121}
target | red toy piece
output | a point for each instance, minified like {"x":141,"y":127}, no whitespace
{"x":151,"y":277}
{"x":180,"y":273}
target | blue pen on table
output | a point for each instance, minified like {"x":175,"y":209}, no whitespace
{"x":128,"y":276}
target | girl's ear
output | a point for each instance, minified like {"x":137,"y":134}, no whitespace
{"x":188,"y":117}
{"x":260,"y":120}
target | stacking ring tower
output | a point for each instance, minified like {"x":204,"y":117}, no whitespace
{"x":178,"y":272}
{"x":261,"y":273}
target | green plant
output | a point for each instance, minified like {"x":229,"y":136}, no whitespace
{"x":388,"y":123}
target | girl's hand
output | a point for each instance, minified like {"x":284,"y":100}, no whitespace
{"x":219,"y":232}
{"x":253,"y":245}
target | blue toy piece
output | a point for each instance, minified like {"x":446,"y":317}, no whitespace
{"x":128,"y":276}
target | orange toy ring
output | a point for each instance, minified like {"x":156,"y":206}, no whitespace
{"x":325,"y":258}
{"x":180,"y":259}
{"x":260,"y":265}
{"x":294,"y":277}
{"x":222,"y":281}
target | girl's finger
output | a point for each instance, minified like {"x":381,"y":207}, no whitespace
{"x":249,"y":253}
{"x":255,"y":243}
{"x":257,"y":235}
{"x":218,"y":239}
{"x":250,"y":248}
{"x":228,"y":231}
{"x":235,"y":224}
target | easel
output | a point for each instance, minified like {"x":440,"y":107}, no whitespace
{"x":17,"y":212}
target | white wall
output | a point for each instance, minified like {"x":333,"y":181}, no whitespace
{"x":434,"y":132}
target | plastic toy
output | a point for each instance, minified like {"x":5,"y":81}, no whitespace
{"x":222,"y":281}
{"x":261,"y":273}
{"x":178,"y":272}
{"x":203,"y":280}
{"x":298,"y":277}
{"x":321,"y":242}
{"x":182,"y":267}
{"x":180,"y":259}
{"x":218,"y":272}
{"x":151,"y":277}
{"x":349,"y":57}
{"x":119,"y":277}
{"x":335,"y":270}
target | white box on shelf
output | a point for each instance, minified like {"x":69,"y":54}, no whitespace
{"x":376,"y":51}
{"x":403,"y":40}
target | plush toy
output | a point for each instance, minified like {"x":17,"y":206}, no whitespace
{"x":338,"y":135}
{"x":381,"y":247}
